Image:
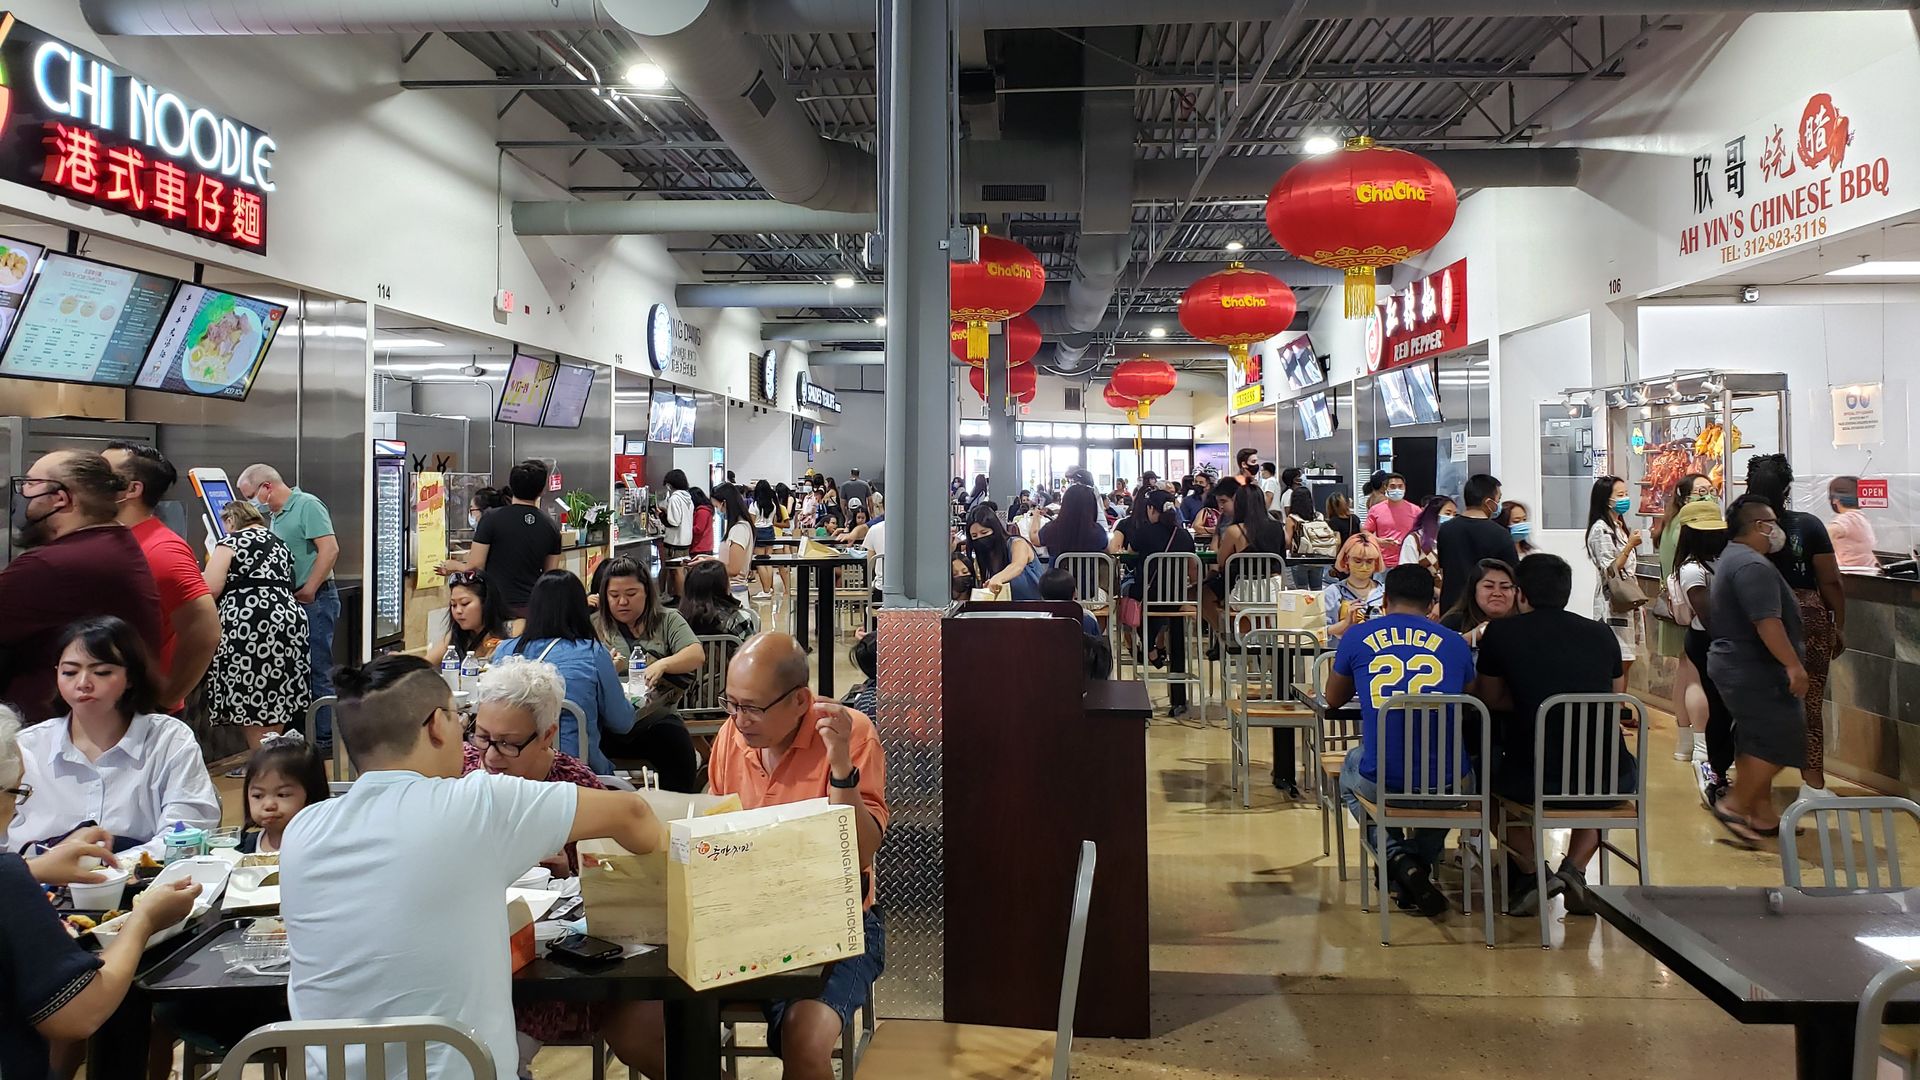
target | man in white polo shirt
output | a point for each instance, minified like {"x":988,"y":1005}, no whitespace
{"x":395,"y":893}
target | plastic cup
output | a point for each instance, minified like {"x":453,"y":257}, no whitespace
{"x":225,"y":837}
{"x":536,"y":878}
{"x":100,"y":896}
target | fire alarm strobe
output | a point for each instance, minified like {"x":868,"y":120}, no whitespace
{"x":503,"y":301}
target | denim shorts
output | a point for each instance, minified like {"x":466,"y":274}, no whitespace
{"x":849,"y":982}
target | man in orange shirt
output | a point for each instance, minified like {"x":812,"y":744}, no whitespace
{"x":781,"y":744}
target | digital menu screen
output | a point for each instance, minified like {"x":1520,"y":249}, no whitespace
{"x":17,"y":260}
{"x":1423,"y":394}
{"x":523,"y":400}
{"x":686,"y":411}
{"x":567,"y":404}
{"x":86,"y":322}
{"x":1395,"y":399}
{"x":210,"y":344}
{"x":1316,"y":417}
{"x":662,"y":416}
{"x":1300,"y":365}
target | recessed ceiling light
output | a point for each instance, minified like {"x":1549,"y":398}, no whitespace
{"x":1235,"y":245}
{"x":647,"y":75}
{"x":408,"y":343}
{"x":844,"y":281}
{"x":1878,"y":268}
{"x":1157,"y":332}
{"x":879,"y":320}
{"x":1320,"y":144}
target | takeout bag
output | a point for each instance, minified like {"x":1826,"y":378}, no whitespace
{"x":760,"y":891}
{"x":626,"y":894}
{"x":1300,"y":609}
{"x":813,"y":549}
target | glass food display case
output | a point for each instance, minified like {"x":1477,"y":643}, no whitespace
{"x":1707,"y":422}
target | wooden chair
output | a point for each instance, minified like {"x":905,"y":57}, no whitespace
{"x":1269,"y":663}
{"x":333,"y":1038}
{"x":1592,"y":730}
{"x":928,"y":1049}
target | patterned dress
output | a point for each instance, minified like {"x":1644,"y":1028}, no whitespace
{"x":259,"y":672}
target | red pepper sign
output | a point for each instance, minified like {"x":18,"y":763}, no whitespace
{"x":1427,"y":318}
{"x":74,"y":124}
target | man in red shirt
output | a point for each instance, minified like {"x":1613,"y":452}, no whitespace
{"x":72,"y":560}
{"x":189,"y":621}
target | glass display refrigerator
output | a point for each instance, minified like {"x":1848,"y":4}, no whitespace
{"x":389,"y":543}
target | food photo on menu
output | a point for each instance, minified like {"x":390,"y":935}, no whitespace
{"x":211,"y":343}
{"x":17,"y":260}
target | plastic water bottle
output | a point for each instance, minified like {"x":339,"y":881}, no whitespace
{"x":450,"y":668}
{"x":469,"y":671}
{"x":636,"y":675}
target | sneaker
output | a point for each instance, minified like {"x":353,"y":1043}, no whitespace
{"x":1416,"y":881}
{"x":761,"y":595}
{"x":1683,"y":746}
{"x":1575,"y":884}
{"x":1815,"y":793}
{"x":1707,"y":780}
{"x":1523,"y":893}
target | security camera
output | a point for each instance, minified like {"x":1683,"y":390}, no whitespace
{"x":1749,"y":294}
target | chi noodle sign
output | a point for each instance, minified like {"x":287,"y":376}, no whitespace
{"x":74,"y":124}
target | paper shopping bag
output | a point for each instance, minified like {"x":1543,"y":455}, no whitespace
{"x":762,"y":891}
{"x":626,"y":894}
{"x":1299,"y":609}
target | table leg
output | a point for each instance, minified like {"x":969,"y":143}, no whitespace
{"x":823,"y":614}
{"x":119,"y":1046}
{"x":1823,"y":1050}
{"x":693,"y":1038}
{"x":802,"y":601}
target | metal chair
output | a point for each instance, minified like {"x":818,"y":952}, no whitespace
{"x":1448,"y":796}
{"x":923,"y":1049}
{"x":342,"y":765}
{"x":1334,"y":737}
{"x":1593,"y":730}
{"x":700,"y":709}
{"x":1837,"y":822}
{"x":1869,"y":1036}
{"x":1270,"y":662}
{"x":579,"y":715}
{"x":852,"y":596}
{"x":413,"y":1034}
{"x":1095,"y":581}
{"x":1250,"y":604}
{"x":854,"y":1038}
{"x":1170,"y":594}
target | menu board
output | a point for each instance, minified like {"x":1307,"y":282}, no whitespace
{"x":568,"y":402}
{"x":683,"y":419}
{"x":86,"y":322}
{"x":523,"y":400}
{"x":1316,"y":417}
{"x":17,"y":260}
{"x":662,"y":416}
{"x":210,"y":344}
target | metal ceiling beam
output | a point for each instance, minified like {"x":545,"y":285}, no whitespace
{"x":781,"y":295}
{"x":823,"y":331}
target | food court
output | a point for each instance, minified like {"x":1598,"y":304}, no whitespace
{"x":939,"y":538}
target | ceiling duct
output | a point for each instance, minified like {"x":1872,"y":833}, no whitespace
{"x":656,"y":217}
{"x":823,"y":331}
{"x":1106,"y":185}
{"x":780,"y":294}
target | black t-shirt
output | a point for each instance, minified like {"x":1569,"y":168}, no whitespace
{"x":41,"y":969}
{"x":1464,"y":541}
{"x":1806,"y":537}
{"x":1152,"y":538}
{"x":520,"y":540}
{"x":1345,"y":526}
{"x":1539,"y":654}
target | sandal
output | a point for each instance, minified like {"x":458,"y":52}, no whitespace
{"x":1738,"y":826}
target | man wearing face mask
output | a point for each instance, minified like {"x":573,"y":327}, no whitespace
{"x":71,"y":560}
{"x":1392,"y":519}
{"x":1471,"y":536}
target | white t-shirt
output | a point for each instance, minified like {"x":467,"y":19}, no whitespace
{"x":1690,"y":575}
{"x":740,"y":535}
{"x":876,"y":545}
{"x":395,"y":903}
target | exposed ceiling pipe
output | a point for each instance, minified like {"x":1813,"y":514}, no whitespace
{"x":1244,"y":177}
{"x":822,"y":331}
{"x":224,"y":18}
{"x":780,"y":294}
{"x":846,"y":358}
{"x":1106,"y":177}
{"x":654,"y":216}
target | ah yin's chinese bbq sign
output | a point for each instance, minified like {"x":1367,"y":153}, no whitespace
{"x":74,"y":124}
{"x":1813,"y":167}
{"x":1427,"y":318}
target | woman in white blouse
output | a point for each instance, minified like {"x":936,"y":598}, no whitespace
{"x":112,"y":761}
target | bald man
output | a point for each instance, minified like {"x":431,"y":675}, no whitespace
{"x":781,"y":744}
{"x":302,"y":522}
{"x":71,"y":560}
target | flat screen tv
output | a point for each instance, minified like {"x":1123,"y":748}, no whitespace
{"x":1316,"y":417}
{"x":18,"y":260}
{"x":86,"y":322}
{"x":662,"y":417}
{"x":1395,"y":397}
{"x":1423,"y":393}
{"x":567,"y":404}
{"x":686,"y":410}
{"x":211,"y":344}
{"x":802,"y":436}
{"x":1301,"y":365}
{"x":523,"y":400}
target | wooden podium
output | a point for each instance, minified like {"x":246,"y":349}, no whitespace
{"x":1037,"y":759}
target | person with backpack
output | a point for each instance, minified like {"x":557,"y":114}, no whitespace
{"x":1308,"y":536}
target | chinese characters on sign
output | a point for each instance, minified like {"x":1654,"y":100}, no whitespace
{"x":82,"y":128}
{"x":1426,"y":318}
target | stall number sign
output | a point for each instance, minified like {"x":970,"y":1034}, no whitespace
{"x":1427,"y":318}
{"x":1874,"y":495}
{"x":814,"y":396}
{"x":74,"y":124}
{"x":1811,"y":167}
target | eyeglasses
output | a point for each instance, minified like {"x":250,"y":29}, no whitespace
{"x":20,"y":485}
{"x":754,"y":712}
{"x":507,"y":748}
{"x":20,"y":794}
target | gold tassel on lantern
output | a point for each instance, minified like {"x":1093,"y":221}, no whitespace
{"x":1360,"y":292}
{"x":976,"y":340}
{"x":1239,"y":354}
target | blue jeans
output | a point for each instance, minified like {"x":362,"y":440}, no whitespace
{"x":848,"y":982}
{"x":1422,"y":844}
{"x":322,"y":614}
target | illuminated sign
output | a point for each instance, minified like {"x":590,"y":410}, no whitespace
{"x":767,"y":378}
{"x":73,"y":124}
{"x":1426,"y":318}
{"x":1248,"y":383}
{"x":812,"y":395}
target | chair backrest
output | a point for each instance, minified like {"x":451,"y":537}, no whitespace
{"x":1076,"y":949}
{"x":702,"y":699}
{"x":1093,"y":575}
{"x":1170,"y":578}
{"x":1274,"y":661}
{"x":1433,"y":747}
{"x":579,"y":715}
{"x":342,"y":765}
{"x":1254,"y":580}
{"x":412,"y":1034}
{"x":1592,"y":739}
{"x":1341,"y":729}
{"x":1836,"y":822}
{"x":1892,"y":979}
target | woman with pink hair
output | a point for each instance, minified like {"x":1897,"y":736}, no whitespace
{"x":1356,"y":593}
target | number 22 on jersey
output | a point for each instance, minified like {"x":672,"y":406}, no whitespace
{"x":1388,"y":676}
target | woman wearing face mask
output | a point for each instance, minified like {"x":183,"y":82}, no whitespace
{"x":1670,"y":638}
{"x":1001,"y":562}
{"x":1421,"y":544}
{"x":1851,"y":532}
{"x":1392,"y":518}
{"x":1514,"y":516}
{"x":1358,"y":595}
{"x":1610,"y":547}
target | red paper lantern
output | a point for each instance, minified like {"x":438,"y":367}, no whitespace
{"x":1359,"y":209}
{"x":1117,"y":400}
{"x":1237,"y":307}
{"x":1023,"y":342}
{"x":1007,"y":281}
{"x":1022,"y":382}
{"x":1144,"y":381}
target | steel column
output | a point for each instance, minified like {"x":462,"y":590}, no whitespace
{"x":1003,"y":453}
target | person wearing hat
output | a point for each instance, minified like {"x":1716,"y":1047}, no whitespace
{"x":1701,"y":535}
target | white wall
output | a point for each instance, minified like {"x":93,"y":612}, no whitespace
{"x":760,"y":446}
{"x":1531,"y":369}
{"x":857,"y":438}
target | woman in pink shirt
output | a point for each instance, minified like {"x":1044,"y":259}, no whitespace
{"x":1390,"y":521}
{"x":1852,"y":533}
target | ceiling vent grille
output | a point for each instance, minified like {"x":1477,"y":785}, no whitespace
{"x":1000,"y":193}
{"x":1073,"y":398}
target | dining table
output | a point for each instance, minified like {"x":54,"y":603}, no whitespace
{"x":1777,"y":955}
{"x":813,"y":593}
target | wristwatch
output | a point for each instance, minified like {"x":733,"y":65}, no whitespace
{"x":852,"y":780}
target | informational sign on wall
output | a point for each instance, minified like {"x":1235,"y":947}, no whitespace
{"x":1856,"y":415}
{"x":1427,"y":318}
{"x":430,"y":524}
{"x":1248,"y":384}
{"x":1875,"y":494}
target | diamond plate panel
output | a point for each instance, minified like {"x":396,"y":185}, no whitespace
{"x":910,"y":863}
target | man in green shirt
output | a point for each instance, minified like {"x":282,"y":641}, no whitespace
{"x":302,"y":522}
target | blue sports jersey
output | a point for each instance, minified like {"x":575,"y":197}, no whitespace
{"x":1393,"y":655}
